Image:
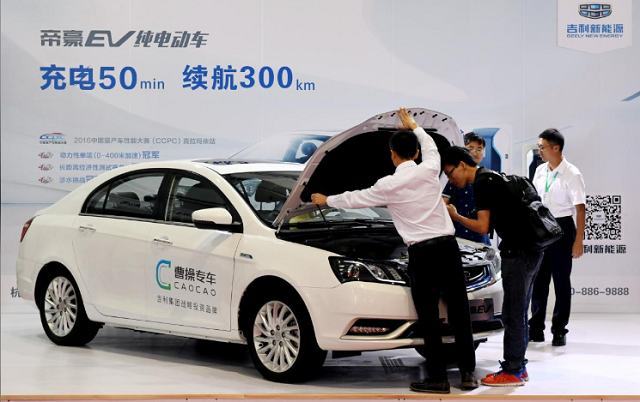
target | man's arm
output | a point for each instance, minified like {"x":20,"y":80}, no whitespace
{"x":370,"y":197}
{"x":578,"y":246}
{"x":480,"y":225}
{"x":430,"y":154}
{"x":579,"y":198}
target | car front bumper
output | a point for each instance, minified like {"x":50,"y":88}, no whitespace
{"x":335,"y":311}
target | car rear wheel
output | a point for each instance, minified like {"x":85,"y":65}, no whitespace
{"x":62,"y":313}
{"x":281,"y":339}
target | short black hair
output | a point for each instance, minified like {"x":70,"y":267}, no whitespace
{"x":553,"y":137}
{"x":474,"y":137}
{"x":454,"y":155}
{"x":404,"y":143}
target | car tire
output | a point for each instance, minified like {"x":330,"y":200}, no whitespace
{"x":62,"y":312}
{"x":281,"y":339}
{"x":449,"y":351}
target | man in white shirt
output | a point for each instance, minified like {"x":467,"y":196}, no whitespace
{"x":561,"y":186}
{"x":412,"y":195}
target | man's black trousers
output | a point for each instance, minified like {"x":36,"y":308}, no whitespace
{"x":557,"y":262}
{"x":435,"y":268}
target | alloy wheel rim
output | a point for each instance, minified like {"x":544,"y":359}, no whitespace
{"x":276,"y":336}
{"x":60,"y":306}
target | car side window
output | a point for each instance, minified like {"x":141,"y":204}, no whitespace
{"x":95,"y":205}
{"x":188,"y":194}
{"x":134,"y":196}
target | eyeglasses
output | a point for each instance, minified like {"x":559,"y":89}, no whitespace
{"x":542,"y":147}
{"x":450,"y":171}
{"x":476,"y":150}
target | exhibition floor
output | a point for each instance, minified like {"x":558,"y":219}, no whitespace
{"x":602,"y":359}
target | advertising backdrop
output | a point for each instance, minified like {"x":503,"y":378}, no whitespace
{"x":89,"y":86}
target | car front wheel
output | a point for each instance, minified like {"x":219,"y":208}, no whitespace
{"x":62,"y":314}
{"x":282,"y":341}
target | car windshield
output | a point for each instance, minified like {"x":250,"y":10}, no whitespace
{"x":266,"y":193}
{"x":296,"y":148}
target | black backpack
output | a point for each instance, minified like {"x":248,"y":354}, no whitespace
{"x":534,"y":225}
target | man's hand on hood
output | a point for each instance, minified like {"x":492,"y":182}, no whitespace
{"x":319,"y":199}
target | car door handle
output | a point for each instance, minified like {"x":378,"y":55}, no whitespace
{"x":162,"y":241}
{"x":83,"y":228}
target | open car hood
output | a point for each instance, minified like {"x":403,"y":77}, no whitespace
{"x":357,"y":158}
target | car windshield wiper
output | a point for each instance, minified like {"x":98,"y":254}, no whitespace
{"x":338,"y":222}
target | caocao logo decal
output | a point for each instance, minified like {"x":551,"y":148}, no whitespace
{"x":163,"y":264}
{"x":45,"y":167}
{"x":46,"y":180}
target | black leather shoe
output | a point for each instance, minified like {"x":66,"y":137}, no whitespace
{"x":431,"y":386}
{"x":536,"y":336}
{"x":468,"y":381}
{"x":559,"y":340}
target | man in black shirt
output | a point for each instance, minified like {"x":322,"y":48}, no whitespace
{"x":496,"y":210}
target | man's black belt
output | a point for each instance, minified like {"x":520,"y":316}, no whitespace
{"x":434,"y":241}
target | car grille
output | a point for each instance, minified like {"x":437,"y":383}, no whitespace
{"x":477,"y":276}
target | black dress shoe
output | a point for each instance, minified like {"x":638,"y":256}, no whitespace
{"x":559,"y":340}
{"x":431,"y":386}
{"x":468,"y":381}
{"x":536,"y":336}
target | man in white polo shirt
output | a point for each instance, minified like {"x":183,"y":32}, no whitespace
{"x":412,"y":195}
{"x":561,"y":186}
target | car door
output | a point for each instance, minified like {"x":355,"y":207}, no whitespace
{"x":110,"y":242}
{"x":189,"y":271}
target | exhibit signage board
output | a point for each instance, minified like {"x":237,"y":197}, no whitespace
{"x":89,"y":86}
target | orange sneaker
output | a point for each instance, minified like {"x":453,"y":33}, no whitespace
{"x":502,"y":379}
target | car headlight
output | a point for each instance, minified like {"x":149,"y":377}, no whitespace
{"x":493,"y":256}
{"x":349,"y":270}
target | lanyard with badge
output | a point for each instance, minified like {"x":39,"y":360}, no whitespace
{"x":547,"y":185}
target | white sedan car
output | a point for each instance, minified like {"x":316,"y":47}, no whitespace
{"x":234,"y":252}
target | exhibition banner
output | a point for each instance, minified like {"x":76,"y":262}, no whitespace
{"x":90,"y":86}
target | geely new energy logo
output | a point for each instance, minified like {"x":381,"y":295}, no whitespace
{"x":162,"y":264}
{"x":595,"y":11}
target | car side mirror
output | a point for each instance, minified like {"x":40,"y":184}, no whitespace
{"x":215,"y":218}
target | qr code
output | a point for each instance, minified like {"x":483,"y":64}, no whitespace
{"x":604,"y":217}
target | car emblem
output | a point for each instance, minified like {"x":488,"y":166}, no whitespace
{"x":595,"y":11}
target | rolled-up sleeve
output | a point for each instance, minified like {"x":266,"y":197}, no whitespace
{"x":370,"y":197}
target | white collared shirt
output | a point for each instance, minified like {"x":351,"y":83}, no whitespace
{"x":412,"y":195}
{"x":565,"y":188}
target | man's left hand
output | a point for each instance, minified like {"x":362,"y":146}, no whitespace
{"x":578,"y":249}
{"x":319,"y":199}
